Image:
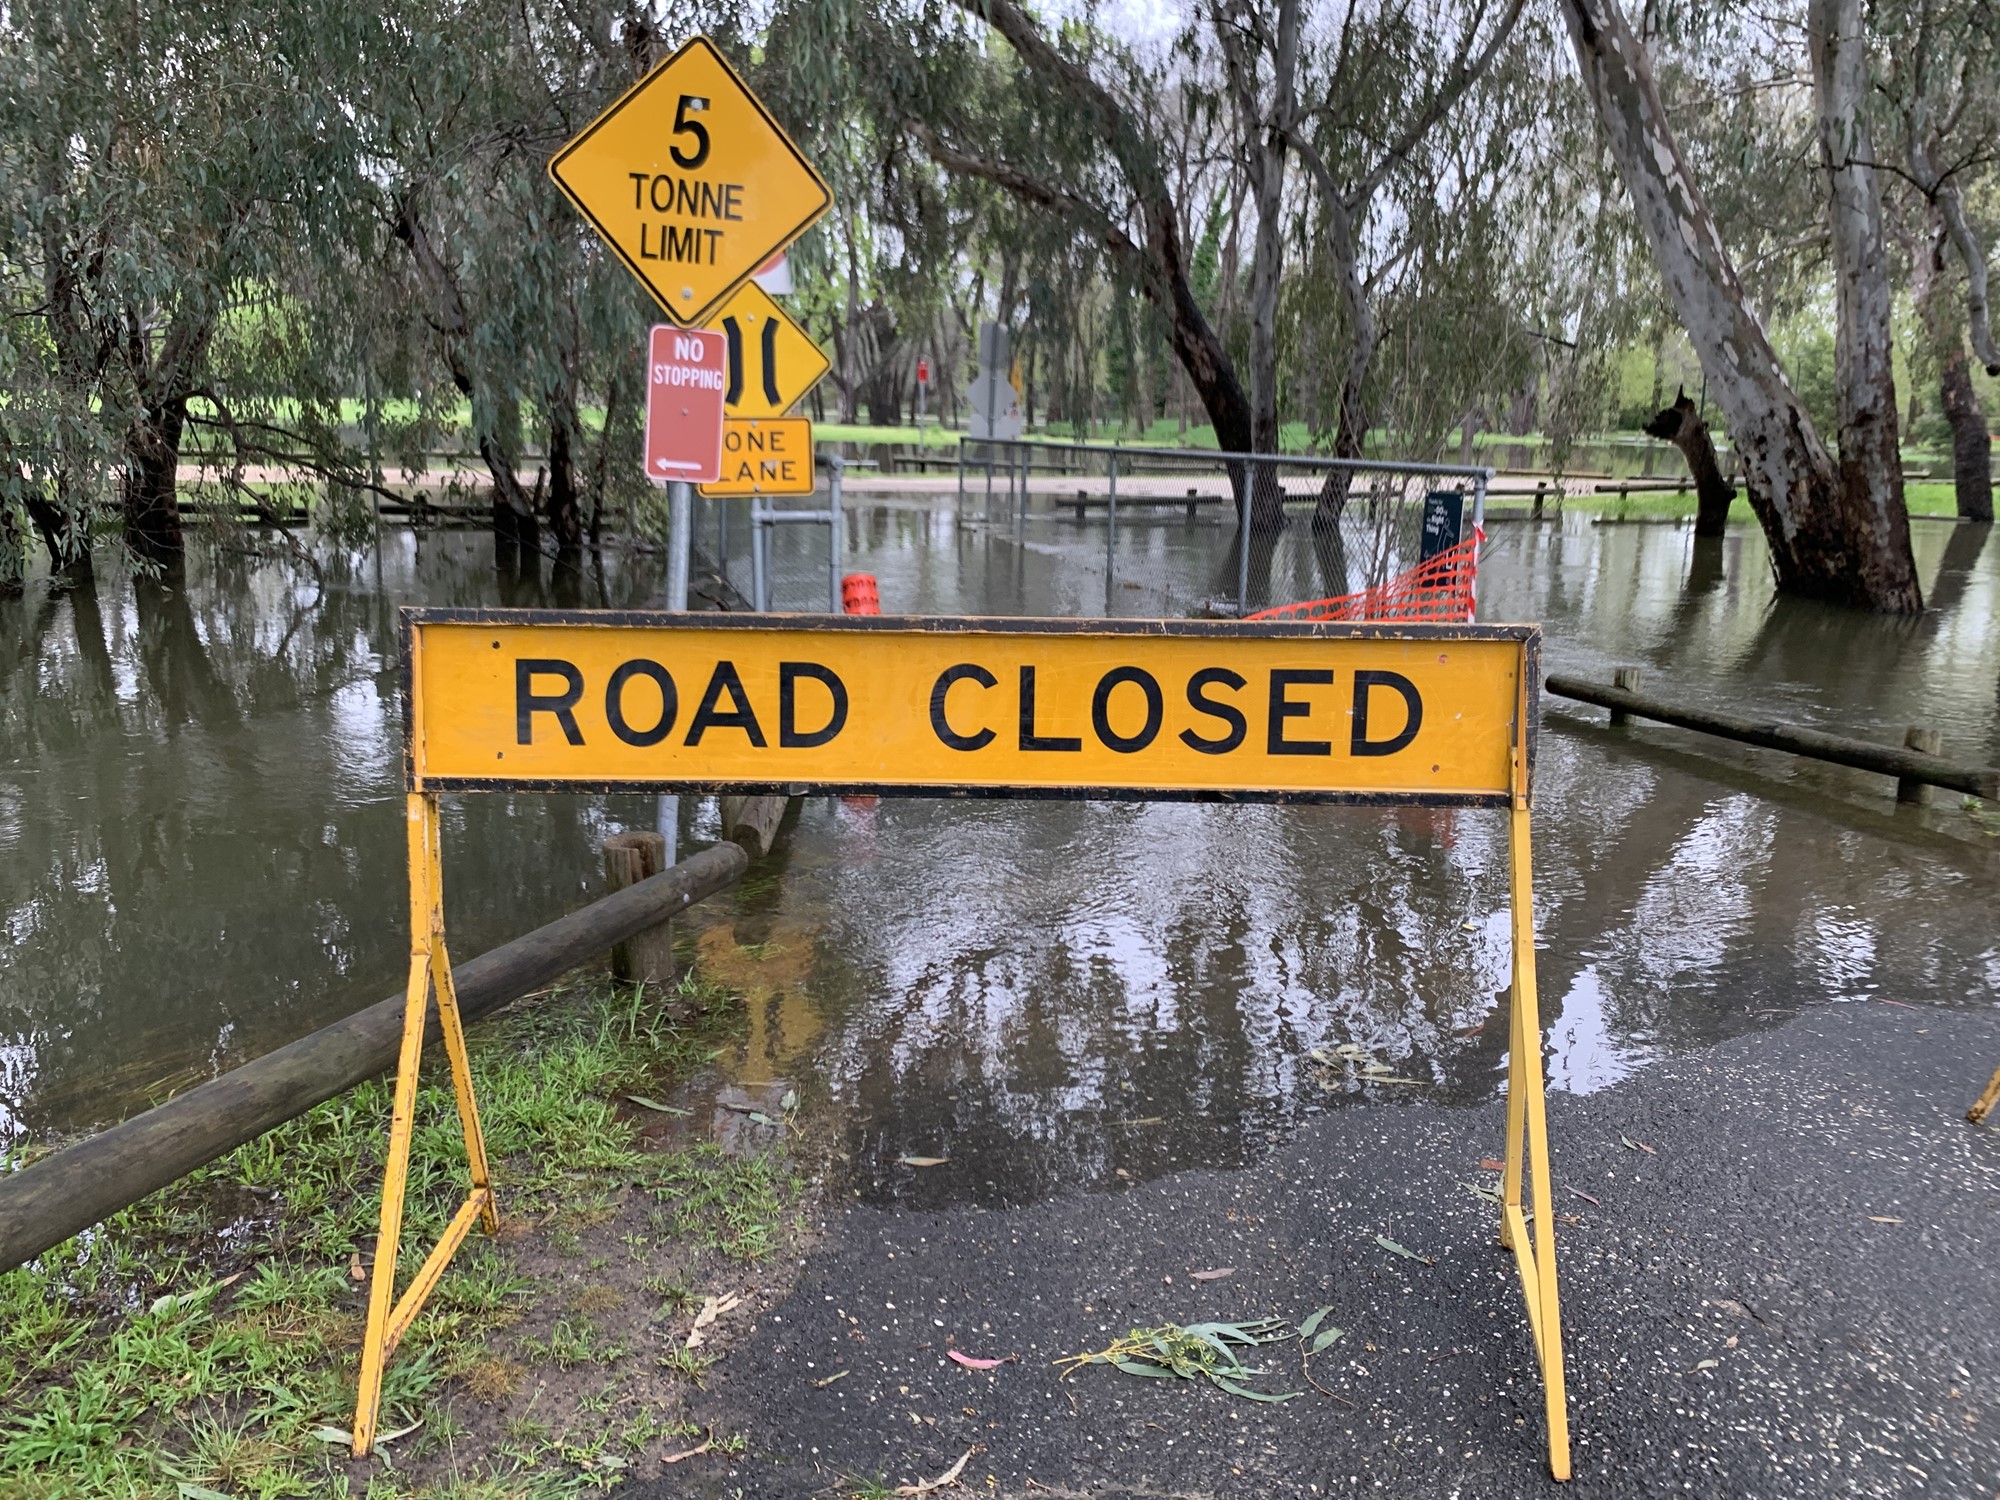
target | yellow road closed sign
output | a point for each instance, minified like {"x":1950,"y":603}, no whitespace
{"x":764,"y":456}
{"x":1182,"y":710}
{"x":691,"y":181}
{"x":1177,"y":709}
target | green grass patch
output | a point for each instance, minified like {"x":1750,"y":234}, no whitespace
{"x":1924,"y":498}
{"x":206,"y":1340}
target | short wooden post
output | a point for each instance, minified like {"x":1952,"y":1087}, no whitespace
{"x":646,"y":957}
{"x":1626,"y":680}
{"x":753,"y":822}
{"x":1924,"y":742}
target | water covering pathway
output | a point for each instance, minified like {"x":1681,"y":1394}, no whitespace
{"x":201,"y":857}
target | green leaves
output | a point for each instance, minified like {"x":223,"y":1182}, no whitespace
{"x":1197,"y":1351}
{"x":1403,"y":1250}
{"x":1326,"y":1337}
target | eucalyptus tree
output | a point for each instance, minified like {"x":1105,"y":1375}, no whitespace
{"x":1378,"y":92}
{"x":163,"y":170}
{"x":1837,"y":531}
{"x":1938,"y":88}
{"x":1073,"y":125}
{"x":526,"y":317}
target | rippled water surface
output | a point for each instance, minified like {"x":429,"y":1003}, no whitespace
{"x":201,"y":854}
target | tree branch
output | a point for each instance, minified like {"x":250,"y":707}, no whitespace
{"x":1080,"y":211}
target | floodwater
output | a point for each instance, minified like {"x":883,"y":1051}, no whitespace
{"x":201,"y":856}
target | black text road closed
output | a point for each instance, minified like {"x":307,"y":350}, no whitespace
{"x":1163,"y":709}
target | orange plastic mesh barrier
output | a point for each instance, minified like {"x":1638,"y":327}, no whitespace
{"x":1439,"y":590}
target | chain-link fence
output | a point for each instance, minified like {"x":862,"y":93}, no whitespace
{"x":1313,"y":527}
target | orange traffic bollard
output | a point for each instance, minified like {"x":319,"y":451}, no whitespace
{"x":858,"y":595}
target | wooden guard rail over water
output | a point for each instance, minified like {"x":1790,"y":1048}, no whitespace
{"x":45,"y":1203}
{"x":1912,"y":767}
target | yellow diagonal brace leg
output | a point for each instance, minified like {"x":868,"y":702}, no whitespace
{"x":454,"y":1034}
{"x":429,"y":965}
{"x":1525,"y":1104}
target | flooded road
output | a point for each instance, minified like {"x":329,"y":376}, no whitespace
{"x":201,"y":856}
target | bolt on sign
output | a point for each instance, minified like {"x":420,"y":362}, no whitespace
{"x":764,"y":456}
{"x":689,"y":179}
{"x":1177,"y":710}
{"x":686,"y":380}
{"x":773,"y":362}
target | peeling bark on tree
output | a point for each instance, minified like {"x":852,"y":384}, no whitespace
{"x":1681,"y":425}
{"x":1971,"y":447}
{"x":1871,"y":453}
{"x":1839,"y":534}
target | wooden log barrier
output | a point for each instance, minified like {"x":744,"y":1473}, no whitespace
{"x":1906,"y":765}
{"x":46,"y":1202}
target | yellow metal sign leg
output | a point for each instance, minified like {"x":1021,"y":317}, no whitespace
{"x":1525,"y":1105}
{"x":388,"y":1317}
{"x":1984,"y":1106}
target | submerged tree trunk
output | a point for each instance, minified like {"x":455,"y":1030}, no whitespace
{"x":65,"y":532}
{"x":1871,"y":451}
{"x":1681,"y":425}
{"x":152,"y":471}
{"x":561,"y":508}
{"x":1971,"y":449}
{"x":1839,"y":534}
{"x":1971,"y":446}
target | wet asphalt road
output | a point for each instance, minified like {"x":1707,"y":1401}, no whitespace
{"x":1793,"y":1294}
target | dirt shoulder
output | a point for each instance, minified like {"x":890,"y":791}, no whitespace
{"x":1792,"y":1292}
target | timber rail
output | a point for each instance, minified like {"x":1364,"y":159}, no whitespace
{"x":1910,"y":767}
{"x":66,"y":1192}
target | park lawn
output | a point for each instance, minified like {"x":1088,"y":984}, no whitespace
{"x":205,"y":1342}
{"x":1924,"y":498}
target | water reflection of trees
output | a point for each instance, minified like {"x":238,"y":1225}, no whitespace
{"x":203,"y":855}
{"x":1093,"y":967}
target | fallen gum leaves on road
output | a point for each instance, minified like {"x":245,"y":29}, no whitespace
{"x":1196,"y":1351}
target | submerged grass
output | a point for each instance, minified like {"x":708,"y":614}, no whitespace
{"x":205,"y":1341}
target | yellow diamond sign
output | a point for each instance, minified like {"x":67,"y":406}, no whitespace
{"x":772,"y":361}
{"x":691,"y":182}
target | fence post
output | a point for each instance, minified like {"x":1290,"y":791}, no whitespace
{"x":759,"y":591}
{"x":1243,"y":540}
{"x":646,"y":957}
{"x":1626,"y":680}
{"x":1111,"y":528}
{"x":833,"y":530}
{"x":1924,"y":742}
